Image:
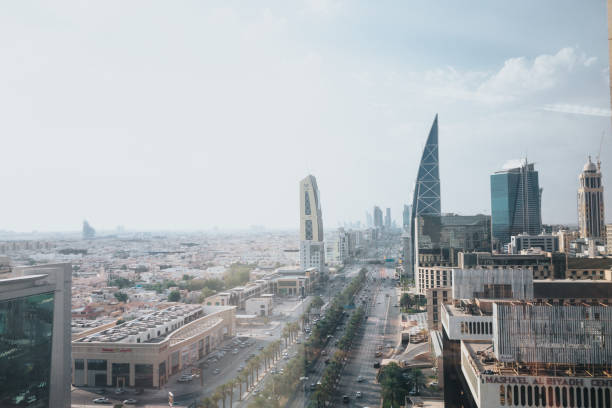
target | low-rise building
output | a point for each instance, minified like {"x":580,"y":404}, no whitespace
{"x":261,"y":306}
{"x":146,"y":351}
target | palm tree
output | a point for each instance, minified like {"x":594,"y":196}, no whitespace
{"x":285,"y":334}
{"x":231,"y":384}
{"x":242,"y":377}
{"x":257,"y":362}
{"x":220,"y":390}
{"x":206,"y":403}
{"x":216,"y":397}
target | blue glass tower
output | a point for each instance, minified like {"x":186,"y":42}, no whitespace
{"x":426,"y":195}
{"x":515,"y":203}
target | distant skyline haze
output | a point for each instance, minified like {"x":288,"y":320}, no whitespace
{"x":191,"y":115}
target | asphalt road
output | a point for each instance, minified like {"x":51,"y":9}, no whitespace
{"x":379,"y":331}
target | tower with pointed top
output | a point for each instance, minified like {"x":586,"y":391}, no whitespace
{"x":590,"y":201}
{"x":312,"y":250}
{"x":426,"y":194}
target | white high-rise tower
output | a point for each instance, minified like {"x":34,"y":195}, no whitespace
{"x":312,"y":251}
{"x":590,"y":202}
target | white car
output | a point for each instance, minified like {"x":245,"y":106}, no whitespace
{"x":358,"y":394}
{"x":101,"y":401}
{"x":130,"y":401}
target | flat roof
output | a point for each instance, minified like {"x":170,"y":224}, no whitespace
{"x":572,"y":289}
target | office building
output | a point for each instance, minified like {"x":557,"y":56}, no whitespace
{"x":369,"y":222}
{"x":515,"y":203}
{"x":525,"y":242}
{"x":312,"y":249}
{"x":146,"y":351}
{"x":378,"y":217}
{"x":591,"y":202}
{"x":35,"y":304}
{"x":426,"y":194}
{"x":609,"y":239}
{"x":462,"y":232}
{"x":388,"y":219}
{"x":406,"y":218}
{"x":503,"y":349}
{"x":541,"y":265}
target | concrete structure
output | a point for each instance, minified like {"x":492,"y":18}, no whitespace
{"x":609,"y":239}
{"x":35,"y":335}
{"x":565,"y":237}
{"x":514,"y":352}
{"x":515,"y":203}
{"x":514,"y":284}
{"x":545,"y":242}
{"x":261,"y":306}
{"x":589,"y":268}
{"x":145,"y":352}
{"x":435,"y":298}
{"x":591,"y":202}
{"x":312,"y":249}
{"x":543,"y":266}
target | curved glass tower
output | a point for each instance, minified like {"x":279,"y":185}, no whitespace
{"x":426,"y":197}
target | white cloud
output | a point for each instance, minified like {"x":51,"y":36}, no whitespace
{"x":577,"y":109}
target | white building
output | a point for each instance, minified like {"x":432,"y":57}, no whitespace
{"x":546,"y":242}
{"x":261,"y":306}
{"x":312,"y":249}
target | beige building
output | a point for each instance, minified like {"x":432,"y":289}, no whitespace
{"x":436,"y":297}
{"x":146,"y":351}
{"x":591,"y":202}
{"x":609,"y":239}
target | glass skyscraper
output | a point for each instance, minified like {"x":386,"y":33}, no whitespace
{"x":26,"y":334}
{"x":515,"y":203}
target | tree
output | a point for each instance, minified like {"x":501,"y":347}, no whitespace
{"x":394,"y":385}
{"x":406,"y":300}
{"x":237,"y":274}
{"x":207,"y":403}
{"x":317,"y":302}
{"x":174,"y":296}
{"x":187,"y":277}
{"x":121,"y":297}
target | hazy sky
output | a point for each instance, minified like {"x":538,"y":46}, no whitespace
{"x":194,"y":114}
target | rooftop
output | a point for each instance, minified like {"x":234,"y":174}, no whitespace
{"x":146,"y":327}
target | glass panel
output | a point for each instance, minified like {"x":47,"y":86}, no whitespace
{"x":26,"y":328}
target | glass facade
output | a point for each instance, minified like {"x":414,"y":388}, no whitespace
{"x":26,"y":328}
{"x":515,"y":203}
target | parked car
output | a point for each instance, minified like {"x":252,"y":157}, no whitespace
{"x":102,"y":400}
{"x":130,"y":401}
{"x":119,"y":391}
{"x":216,"y":371}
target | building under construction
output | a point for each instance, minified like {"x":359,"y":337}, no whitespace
{"x":515,"y":352}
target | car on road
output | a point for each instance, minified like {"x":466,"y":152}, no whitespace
{"x":119,"y":391}
{"x":130,"y":401}
{"x":377,"y":364}
{"x":260,"y":348}
{"x":216,"y":371}
{"x":235,"y":352}
{"x":345,"y":399}
{"x":358,"y":394}
{"x":313,"y":387}
{"x":360,"y":379}
{"x":102,"y":400}
{"x":185,"y":378}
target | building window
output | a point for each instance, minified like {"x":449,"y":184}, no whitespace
{"x":26,"y":327}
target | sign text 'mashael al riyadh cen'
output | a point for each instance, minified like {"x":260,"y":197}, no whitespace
{"x":581,"y":382}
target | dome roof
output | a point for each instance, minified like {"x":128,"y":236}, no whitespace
{"x":589,"y":166}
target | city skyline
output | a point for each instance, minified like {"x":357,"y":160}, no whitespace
{"x":124,"y":161}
